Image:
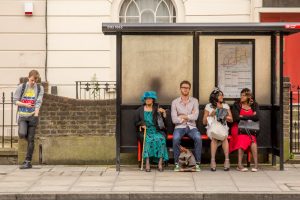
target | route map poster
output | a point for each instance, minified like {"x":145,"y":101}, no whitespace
{"x":234,"y":67}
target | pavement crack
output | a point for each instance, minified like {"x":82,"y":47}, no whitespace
{"x":273,"y":181}
{"x":233,"y":181}
{"x":76,"y":180}
{"x":193,"y":176}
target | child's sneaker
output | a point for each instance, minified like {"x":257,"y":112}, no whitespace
{"x":198,"y":168}
{"x":177,"y":168}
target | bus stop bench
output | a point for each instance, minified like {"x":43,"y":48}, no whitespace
{"x":186,"y":138}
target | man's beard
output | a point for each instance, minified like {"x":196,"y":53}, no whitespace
{"x":185,"y":94}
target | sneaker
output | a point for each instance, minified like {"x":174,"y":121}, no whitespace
{"x":177,"y":168}
{"x":26,"y":165}
{"x":198,"y":168}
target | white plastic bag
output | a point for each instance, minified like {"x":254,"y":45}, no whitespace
{"x":216,"y":130}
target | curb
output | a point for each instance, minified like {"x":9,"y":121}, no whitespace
{"x":150,"y":196}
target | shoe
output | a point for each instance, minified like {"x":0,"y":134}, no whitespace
{"x":226,"y":165}
{"x":198,"y":168}
{"x":148,"y":167}
{"x":213,"y":165}
{"x":160,"y":169}
{"x":177,"y":168}
{"x":244,"y":169}
{"x":254,"y":169}
{"x":26,"y":165}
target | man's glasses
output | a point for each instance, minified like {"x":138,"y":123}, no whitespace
{"x":187,"y":88}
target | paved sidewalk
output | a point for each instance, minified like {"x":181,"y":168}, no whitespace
{"x":102,"y":181}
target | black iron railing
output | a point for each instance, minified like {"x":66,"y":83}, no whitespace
{"x":295,"y":120}
{"x":97,"y":90}
{"x":8,"y":123}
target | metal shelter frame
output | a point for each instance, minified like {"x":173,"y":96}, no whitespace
{"x":277,"y":31}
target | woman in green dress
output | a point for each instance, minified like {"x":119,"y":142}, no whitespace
{"x":146,"y":117}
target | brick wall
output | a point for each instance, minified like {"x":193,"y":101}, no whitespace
{"x":62,"y":116}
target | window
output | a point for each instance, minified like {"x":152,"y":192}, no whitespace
{"x":147,"y":11}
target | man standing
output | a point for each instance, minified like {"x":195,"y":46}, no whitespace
{"x":28,"y":97}
{"x":185,"y":111}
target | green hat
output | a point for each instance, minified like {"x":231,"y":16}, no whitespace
{"x":149,"y":94}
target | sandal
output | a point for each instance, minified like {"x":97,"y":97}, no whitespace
{"x":226,"y":165}
{"x":254,"y":169}
{"x":213,"y":165}
{"x":244,"y":169}
{"x":148,"y":167}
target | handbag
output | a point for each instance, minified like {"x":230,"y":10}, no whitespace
{"x":249,"y":127}
{"x":217,"y":130}
{"x":160,"y":121}
{"x":186,"y":160}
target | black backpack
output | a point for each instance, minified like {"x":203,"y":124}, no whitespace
{"x":24,"y":86}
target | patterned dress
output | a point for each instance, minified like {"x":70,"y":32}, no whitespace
{"x":155,"y":145}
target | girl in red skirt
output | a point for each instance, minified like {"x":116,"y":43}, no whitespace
{"x":244,"y":109}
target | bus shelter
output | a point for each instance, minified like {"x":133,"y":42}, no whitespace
{"x":228,"y":55}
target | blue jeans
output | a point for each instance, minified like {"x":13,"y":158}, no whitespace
{"x":191,"y":133}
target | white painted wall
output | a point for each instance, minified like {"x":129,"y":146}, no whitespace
{"x":22,"y":41}
{"x":77,"y":49}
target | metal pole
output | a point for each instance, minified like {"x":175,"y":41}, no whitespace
{"x":11,"y":120}
{"x":281,"y":104}
{"x":273,"y":86}
{"x":76,"y":89}
{"x":3,"y":100}
{"x":196,"y":64}
{"x":118,"y":100}
{"x":291,"y":121}
{"x":298,"y":110}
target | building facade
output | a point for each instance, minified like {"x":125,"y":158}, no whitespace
{"x":64,"y":41}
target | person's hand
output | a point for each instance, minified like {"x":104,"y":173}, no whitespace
{"x":161,"y":110}
{"x":228,"y":118}
{"x":29,"y":105}
{"x":142,"y":127}
{"x":184,"y":117}
{"x":213,"y":113}
{"x":241,"y":116}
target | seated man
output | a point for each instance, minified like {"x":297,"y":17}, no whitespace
{"x":184,"y":112}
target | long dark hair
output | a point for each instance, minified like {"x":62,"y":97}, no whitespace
{"x":213,"y":97}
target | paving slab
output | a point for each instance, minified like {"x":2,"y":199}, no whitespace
{"x":104,"y":182}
